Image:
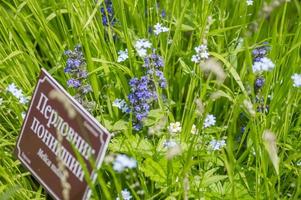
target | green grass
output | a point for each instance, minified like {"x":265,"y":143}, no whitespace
{"x":35,"y":34}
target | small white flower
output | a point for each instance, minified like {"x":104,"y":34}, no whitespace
{"x":14,"y":90}
{"x":201,"y":48}
{"x":17,"y":93}
{"x":158,"y":28}
{"x":126,"y":195}
{"x":217,"y":144}
{"x":265,"y":64}
{"x":122,"y":55}
{"x":122,"y":162}
{"x":23,"y":100}
{"x":164,"y":29}
{"x":249,"y":2}
{"x":210,"y":120}
{"x":1,"y":101}
{"x":141,"y":47}
{"x":117,"y":103}
{"x":142,"y":52}
{"x":194,"y":130}
{"x":201,"y":53}
{"x":121,"y":104}
{"x":256,"y":67}
{"x":204,"y":55}
{"x":297,"y":80}
{"x":298,"y":163}
{"x":11,"y":88}
{"x":142,"y":43}
{"x":196,"y":58}
{"x":118,"y":167}
{"x":174,"y":127}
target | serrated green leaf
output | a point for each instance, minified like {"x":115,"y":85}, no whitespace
{"x":153,"y":170}
{"x":209,"y":178}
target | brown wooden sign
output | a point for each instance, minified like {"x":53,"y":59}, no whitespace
{"x":59,"y":140}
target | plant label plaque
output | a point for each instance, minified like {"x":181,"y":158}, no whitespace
{"x":59,"y":140}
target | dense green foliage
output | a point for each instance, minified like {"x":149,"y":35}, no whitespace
{"x":35,"y":34}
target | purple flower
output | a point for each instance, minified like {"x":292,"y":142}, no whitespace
{"x":154,"y":63}
{"x":73,"y":83}
{"x":133,"y":82}
{"x":257,"y":59}
{"x":140,"y":116}
{"x":153,"y":60}
{"x":141,"y":96}
{"x":107,"y":12}
{"x":259,"y":82}
{"x":255,"y":52}
{"x":143,"y":90}
{"x":83,"y":74}
{"x":163,"y":84}
{"x":242,"y":130}
{"x":137,"y":126}
{"x":76,"y":68}
{"x":67,"y":52}
{"x":260,"y":52}
{"x":147,"y":62}
{"x":75,"y":60}
{"x":132,"y":98}
{"x":157,"y":60}
{"x":163,"y":13}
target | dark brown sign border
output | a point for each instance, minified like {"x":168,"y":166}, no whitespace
{"x":77,"y":106}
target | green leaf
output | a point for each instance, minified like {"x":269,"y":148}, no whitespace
{"x":209,"y":178}
{"x":120,"y":125}
{"x":134,"y":145}
{"x":153,"y":117}
{"x":210,"y":130}
{"x":153,"y":170}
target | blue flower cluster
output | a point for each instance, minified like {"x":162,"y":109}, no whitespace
{"x":142,"y":94}
{"x":107,"y":13}
{"x":259,"y":82}
{"x":76,"y":68}
{"x":75,"y":59}
{"x":154,"y":64}
{"x":143,"y":90}
{"x":260,"y":53}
